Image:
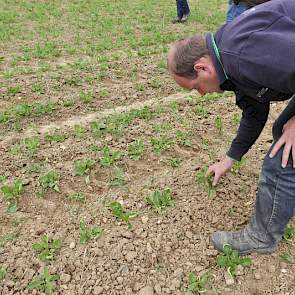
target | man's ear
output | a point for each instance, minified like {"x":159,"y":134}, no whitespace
{"x":203,"y":64}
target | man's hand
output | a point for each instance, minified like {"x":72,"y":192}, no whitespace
{"x":288,"y":141}
{"x":219,"y":169}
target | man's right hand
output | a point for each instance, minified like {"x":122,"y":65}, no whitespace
{"x":219,"y":169}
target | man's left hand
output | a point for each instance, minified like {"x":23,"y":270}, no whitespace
{"x":288,"y":141}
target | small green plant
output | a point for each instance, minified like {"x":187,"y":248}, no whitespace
{"x":201,"y":111}
{"x":117,"y":211}
{"x":31,"y":144}
{"x":118,"y":179}
{"x":197,"y":285}
{"x":161,"y":143}
{"x":79,"y":131}
{"x":87,"y":233}
{"x":205,"y":181}
{"x":174,"y":162}
{"x":37,"y":87}
{"x":288,"y":257}
{"x":231,"y":259}
{"x":56,"y":136}
{"x":160,"y":200}
{"x":236,"y":119}
{"x":45,"y":282}
{"x":289,"y":234}
{"x":136,"y":149}
{"x":83,"y":167}
{"x":14,"y":90}
{"x":11,"y":195}
{"x":109,"y":157}
{"x":76,"y":196}
{"x":97,"y":128}
{"x":238,"y":165}
{"x":184,"y":138}
{"x":2,"y":178}
{"x":47,"y":249}
{"x":87,"y":96}
{"x":3,"y":273}
{"x":49,"y":180}
{"x":219,"y":125}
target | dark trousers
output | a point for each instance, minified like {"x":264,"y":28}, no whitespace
{"x":182,"y":8}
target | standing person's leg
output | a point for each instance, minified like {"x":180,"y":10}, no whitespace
{"x":275,"y":202}
{"x":235,"y":10}
{"x":179,"y":7}
{"x":186,"y":10}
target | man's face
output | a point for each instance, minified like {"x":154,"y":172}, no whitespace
{"x":206,"y":80}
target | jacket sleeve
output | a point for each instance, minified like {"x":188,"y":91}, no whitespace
{"x":253,"y":120}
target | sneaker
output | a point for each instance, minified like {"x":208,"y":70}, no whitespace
{"x":240,"y":241}
{"x":176,"y":20}
{"x":185,"y":17}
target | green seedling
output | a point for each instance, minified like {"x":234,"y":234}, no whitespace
{"x":3,"y":273}
{"x":197,"y":285}
{"x":79,"y":131}
{"x":174,"y":162}
{"x":49,"y":180}
{"x":205,"y":181}
{"x":136,"y":149}
{"x":83,"y":167}
{"x":87,"y":233}
{"x":79,"y":197}
{"x":238,"y":165}
{"x":288,"y":257}
{"x":36,"y":87}
{"x":12,"y":91}
{"x":231,"y":259}
{"x":162,"y":127}
{"x":11,"y":195}
{"x":10,"y":237}
{"x":45,"y":282}
{"x":109,"y":157}
{"x":118,"y":179}
{"x":219,"y":125}
{"x":31,"y":144}
{"x":117,"y":211}
{"x":44,"y":108}
{"x":184,"y":138}
{"x":161,"y":143}
{"x":86,"y":97}
{"x":97,"y":128}
{"x":160,"y":200}
{"x":201,"y":111}
{"x":289,"y":234}
{"x":236,"y":119}
{"x":56,"y":136}
{"x":2,"y":178}
{"x":47,"y":249}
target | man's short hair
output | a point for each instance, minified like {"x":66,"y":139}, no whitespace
{"x":186,"y":53}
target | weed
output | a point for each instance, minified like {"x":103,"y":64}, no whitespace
{"x":87,"y":96}
{"x":76,"y":196}
{"x":12,"y":91}
{"x":36,"y":87}
{"x":2,"y":178}
{"x":87,"y":233}
{"x":136,"y":149}
{"x":238,"y":165}
{"x":49,"y":180}
{"x":197,"y":285}
{"x":288,"y":257}
{"x":236,"y":119}
{"x":184,"y":138}
{"x":56,"y":136}
{"x":174,"y":162}
{"x":47,"y":249}
{"x":231,"y":259}
{"x":201,"y":111}
{"x":44,"y":108}
{"x":205,"y":181}
{"x":109,"y":157}
{"x":11,"y":195}
{"x":219,"y":125}
{"x":288,"y":234}
{"x":32,"y":145}
{"x":97,"y":128}
{"x":3,"y":273}
{"x":79,"y":131}
{"x":162,"y":127}
{"x":159,"y":200}
{"x":161,"y":143}
{"x":118,"y":179}
{"x":44,"y":282}
{"x":117,"y":211}
{"x":83,"y":167}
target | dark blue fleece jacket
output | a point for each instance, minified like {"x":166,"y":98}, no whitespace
{"x":257,"y":53}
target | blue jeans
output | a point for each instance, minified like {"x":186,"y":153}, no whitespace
{"x":275,"y":200}
{"x":235,"y":10}
{"x":182,"y":8}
